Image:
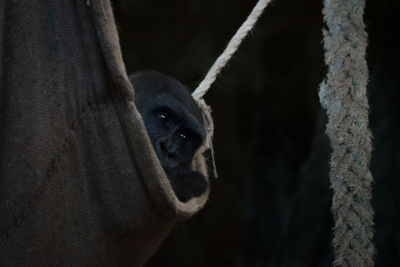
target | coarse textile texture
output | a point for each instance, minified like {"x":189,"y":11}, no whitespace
{"x":80,"y":184}
{"x":343,"y":95}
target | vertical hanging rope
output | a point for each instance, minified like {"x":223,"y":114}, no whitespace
{"x":343,"y":95}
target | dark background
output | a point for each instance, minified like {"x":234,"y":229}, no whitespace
{"x":270,"y":205}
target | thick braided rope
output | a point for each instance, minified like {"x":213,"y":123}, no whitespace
{"x":343,"y":95}
{"x":230,"y":49}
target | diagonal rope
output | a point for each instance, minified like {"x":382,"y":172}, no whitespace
{"x":230,"y":49}
{"x":221,"y":61}
{"x":343,"y":94}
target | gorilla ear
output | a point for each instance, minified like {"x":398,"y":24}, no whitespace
{"x":192,"y":184}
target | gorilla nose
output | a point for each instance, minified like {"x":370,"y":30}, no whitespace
{"x":169,"y":150}
{"x":172,"y":148}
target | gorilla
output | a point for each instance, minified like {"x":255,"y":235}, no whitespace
{"x":175,"y":126}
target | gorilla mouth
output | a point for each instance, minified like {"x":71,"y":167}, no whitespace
{"x":168,"y":162}
{"x":172,"y":162}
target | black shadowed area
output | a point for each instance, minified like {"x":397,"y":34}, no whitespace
{"x":271,"y":204}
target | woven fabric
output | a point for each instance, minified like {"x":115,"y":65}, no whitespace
{"x":79,"y":181}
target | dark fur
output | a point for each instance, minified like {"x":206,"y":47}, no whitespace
{"x":170,"y":113}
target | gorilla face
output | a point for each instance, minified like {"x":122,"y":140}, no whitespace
{"x":175,"y":126}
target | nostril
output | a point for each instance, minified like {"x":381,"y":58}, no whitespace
{"x":168,"y":150}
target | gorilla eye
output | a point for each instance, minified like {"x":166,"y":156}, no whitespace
{"x":184,"y":136}
{"x":162,"y":116}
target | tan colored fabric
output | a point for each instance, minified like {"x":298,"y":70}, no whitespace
{"x":79,"y":181}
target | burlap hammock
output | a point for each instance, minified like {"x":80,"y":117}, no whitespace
{"x":80,"y":182}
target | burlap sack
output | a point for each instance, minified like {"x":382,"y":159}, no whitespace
{"x":79,"y":181}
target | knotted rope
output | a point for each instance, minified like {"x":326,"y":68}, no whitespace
{"x":221,"y":61}
{"x":343,"y":95}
